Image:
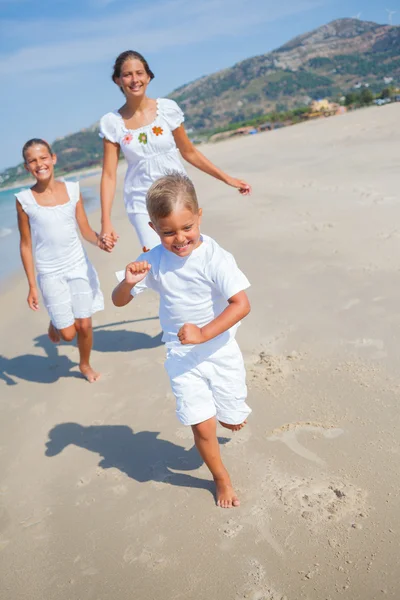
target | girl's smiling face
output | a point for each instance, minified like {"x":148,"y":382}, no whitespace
{"x":39,"y":162}
{"x":133,"y":79}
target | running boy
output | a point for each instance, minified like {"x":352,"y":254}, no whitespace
{"x":48,"y":216}
{"x":202,"y":301}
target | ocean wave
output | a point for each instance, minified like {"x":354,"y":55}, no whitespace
{"x":4,"y":231}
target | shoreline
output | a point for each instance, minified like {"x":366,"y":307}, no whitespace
{"x":91,"y":201}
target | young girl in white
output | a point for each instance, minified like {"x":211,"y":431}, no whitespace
{"x":151,"y":135}
{"x":202,"y":301}
{"x":48,"y":215}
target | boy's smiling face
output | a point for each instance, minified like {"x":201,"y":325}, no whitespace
{"x":180,"y":231}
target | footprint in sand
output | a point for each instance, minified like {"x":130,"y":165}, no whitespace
{"x":272,"y":369}
{"x":287,"y":434}
{"x":256,"y":587}
{"x":319,"y":501}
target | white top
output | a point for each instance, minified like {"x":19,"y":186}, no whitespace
{"x":193,"y":289}
{"x":150,"y":151}
{"x":55,"y":239}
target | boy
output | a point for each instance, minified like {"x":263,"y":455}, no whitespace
{"x":202,"y":301}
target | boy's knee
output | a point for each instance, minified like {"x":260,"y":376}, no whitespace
{"x":83,"y":326}
{"x":205,"y":430}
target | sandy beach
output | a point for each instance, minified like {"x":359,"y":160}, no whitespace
{"x":103,"y":494}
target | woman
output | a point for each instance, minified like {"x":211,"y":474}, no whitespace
{"x":151,"y":135}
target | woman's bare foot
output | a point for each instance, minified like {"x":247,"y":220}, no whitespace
{"x":53,"y":334}
{"x":233,"y":427}
{"x":226,"y":497}
{"x":89,"y":373}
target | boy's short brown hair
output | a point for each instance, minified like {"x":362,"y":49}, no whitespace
{"x":168,"y":191}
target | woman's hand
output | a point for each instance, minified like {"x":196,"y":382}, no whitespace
{"x":243,"y":187}
{"x":33,"y":299}
{"x":105,"y":242}
{"x":108,"y":231}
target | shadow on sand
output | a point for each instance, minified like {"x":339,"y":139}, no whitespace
{"x":52,"y":366}
{"x":143,"y":456}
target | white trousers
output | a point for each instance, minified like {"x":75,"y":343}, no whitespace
{"x":147,"y":236}
{"x":208,"y":386}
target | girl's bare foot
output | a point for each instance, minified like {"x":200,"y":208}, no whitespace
{"x":233,"y":427}
{"x":53,"y":334}
{"x":226,"y":497}
{"x":89,"y":373}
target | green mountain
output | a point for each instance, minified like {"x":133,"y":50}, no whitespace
{"x":322,"y":63}
{"x":326,"y":62}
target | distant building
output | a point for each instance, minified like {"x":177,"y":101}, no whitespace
{"x":387,"y":80}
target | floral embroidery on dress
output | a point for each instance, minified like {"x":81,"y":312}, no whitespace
{"x":127,"y":139}
{"x":142,"y":138}
{"x":157,"y":130}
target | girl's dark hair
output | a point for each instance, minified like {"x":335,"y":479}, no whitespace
{"x":129,"y":54}
{"x":35,"y":142}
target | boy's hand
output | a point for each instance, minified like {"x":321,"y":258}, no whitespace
{"x":191,"y":334}
{"x":136,"y":271}
{"x":33,"y":299}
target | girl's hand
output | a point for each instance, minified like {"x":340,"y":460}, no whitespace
{"x":136,"y":271}
{"x":191,"y":334}
{"x":33,"y":299}
{"x":108,"y":232}
{"x":105,"y":243}
{"x":243,"y":187}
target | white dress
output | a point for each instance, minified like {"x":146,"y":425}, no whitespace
{"x":150,"y":152}
{"x":66,"y":278}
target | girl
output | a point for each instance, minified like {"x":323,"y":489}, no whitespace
{"x":48,"y":214}
{"x":149,"y":133}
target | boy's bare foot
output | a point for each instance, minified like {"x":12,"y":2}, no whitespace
{"x":53,"y":334}
{"x":89,"y":373}
{"x":233,"y":427}
{"x":226,"y":497}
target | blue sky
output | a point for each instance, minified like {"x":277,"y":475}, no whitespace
{"x":56,"y":56}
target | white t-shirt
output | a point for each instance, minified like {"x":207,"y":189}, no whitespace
{"x":193,"y":289}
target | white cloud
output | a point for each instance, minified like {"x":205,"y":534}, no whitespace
{"x":151,"y":28}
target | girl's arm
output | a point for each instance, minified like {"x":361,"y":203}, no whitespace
{"x":197,"y":159}
{"x":238,"y":308}
{"x":107,"y":186}
{"x":25,"y":247}
{"x":87,"y":232}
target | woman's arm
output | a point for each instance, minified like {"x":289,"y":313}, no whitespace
{"x":25,"y":247}
{"x":237,"y":309}
{"x":108,"y":185}
{"x":198,"y":160}
{"x":88,"y":234}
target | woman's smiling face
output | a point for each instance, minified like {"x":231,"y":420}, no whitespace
{"x":133,"y":79}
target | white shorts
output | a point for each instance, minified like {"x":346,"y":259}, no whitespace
{"x":72,"y":295}
{"x":209,"y":386}
{"x":147,"y":236}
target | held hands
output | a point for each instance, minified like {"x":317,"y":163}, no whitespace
{"x":243,"y":187}
{"x":33,"y":299}
{"x":108,"y":236}
{"x":136,"y":271}
{"x":191,"y":334}
{"x":105,"y":242}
